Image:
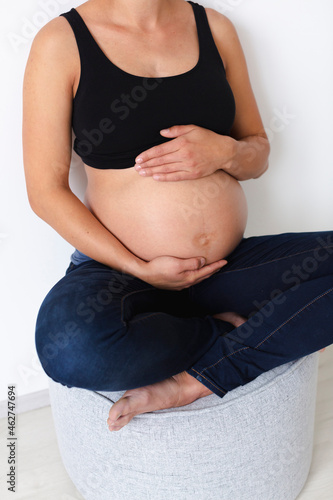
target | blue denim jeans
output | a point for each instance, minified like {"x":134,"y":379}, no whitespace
{"x":101,"y":329}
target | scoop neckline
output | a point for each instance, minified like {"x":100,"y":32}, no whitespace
{"x":146,"y":77}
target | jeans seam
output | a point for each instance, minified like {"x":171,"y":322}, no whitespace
{"x":294,"y":316}
{"x":275,"y":260}
{"x":125,"y":297}
{"x":272,"y":333}
{"x":149,"y":316}
{"x":209,"y":381}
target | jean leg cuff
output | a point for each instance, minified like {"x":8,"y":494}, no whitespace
{"x":207,"y":383}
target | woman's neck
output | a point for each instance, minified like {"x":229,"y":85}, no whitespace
{"x":141,"y":14}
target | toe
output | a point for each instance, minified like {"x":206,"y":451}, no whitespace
{"x":121,"y":422}
{"x":231,"y":317}
{"x":118,"y":409}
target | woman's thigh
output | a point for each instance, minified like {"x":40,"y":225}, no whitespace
{"x":79,"y":312}
{"x":104,"y":330}
{"x":263,"y":267}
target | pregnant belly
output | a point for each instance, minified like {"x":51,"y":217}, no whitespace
{"x":203,"y":217}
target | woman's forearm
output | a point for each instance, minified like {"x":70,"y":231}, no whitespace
{"x":63,"y":211}
{"x":248,"y":157}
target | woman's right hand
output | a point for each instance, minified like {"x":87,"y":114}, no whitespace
{"x":173,"y":273}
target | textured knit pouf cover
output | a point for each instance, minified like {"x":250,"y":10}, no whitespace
{"x":253,"y":444}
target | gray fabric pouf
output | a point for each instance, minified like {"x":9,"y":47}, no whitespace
{"x":253,"y":444}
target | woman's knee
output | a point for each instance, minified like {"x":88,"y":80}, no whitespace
{"x":52,"y":345}
{"x":77,"y":356}
{"x":79,"y":321}
{"x":70,"y":348}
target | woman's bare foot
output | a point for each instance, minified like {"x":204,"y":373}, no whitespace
{"x":231,"y":317}
{"x":179,"y":390}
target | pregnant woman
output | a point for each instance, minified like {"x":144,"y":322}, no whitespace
{"x":164,"y":297}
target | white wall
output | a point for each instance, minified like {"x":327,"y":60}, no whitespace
{"x":288,"y":45}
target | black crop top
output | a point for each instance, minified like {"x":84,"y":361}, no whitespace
{"x":117,"y":116}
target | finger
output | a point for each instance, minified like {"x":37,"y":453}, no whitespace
{"x":160,"y":150}
{"x":159,"y":161}
{"x":177,"y":130}
{"x":208,"y":269}
{"x":201,"y":278}
{"x":165,"y":170}
{"x":163,"y":164}
{"x":191,"y":264}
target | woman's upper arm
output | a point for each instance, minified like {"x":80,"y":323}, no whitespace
{"x":247,"y":120}
{"x":47,"y":109}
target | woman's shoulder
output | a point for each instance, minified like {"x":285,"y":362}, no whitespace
{"x":55,"y":38}
{"x":54,"y":51}
{"x":224,"y":34}
{"x":219,"y":23}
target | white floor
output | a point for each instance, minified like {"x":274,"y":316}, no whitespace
{"x":41,"y":475}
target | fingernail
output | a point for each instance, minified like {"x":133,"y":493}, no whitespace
{"x":137,"y":167}
{"x":142,"y":172}
{"x":202,"y":262}
{"x":165,"y":130}
{"x":156,"y":177}
{"x":139,"y":160}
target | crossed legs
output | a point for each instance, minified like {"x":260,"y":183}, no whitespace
{"x":263,"y":268}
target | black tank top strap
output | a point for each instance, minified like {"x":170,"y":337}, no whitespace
{"x":209,"y":53}
{"x":87,"y":45}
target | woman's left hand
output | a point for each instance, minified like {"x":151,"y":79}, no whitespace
{"x":194,"y":152}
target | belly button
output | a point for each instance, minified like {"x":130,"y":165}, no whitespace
{"x":202,"y":239}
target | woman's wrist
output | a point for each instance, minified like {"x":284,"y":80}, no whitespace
{"x":228,"y":153}
{"x":135,"y":266}
{"x":246,"y":158}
